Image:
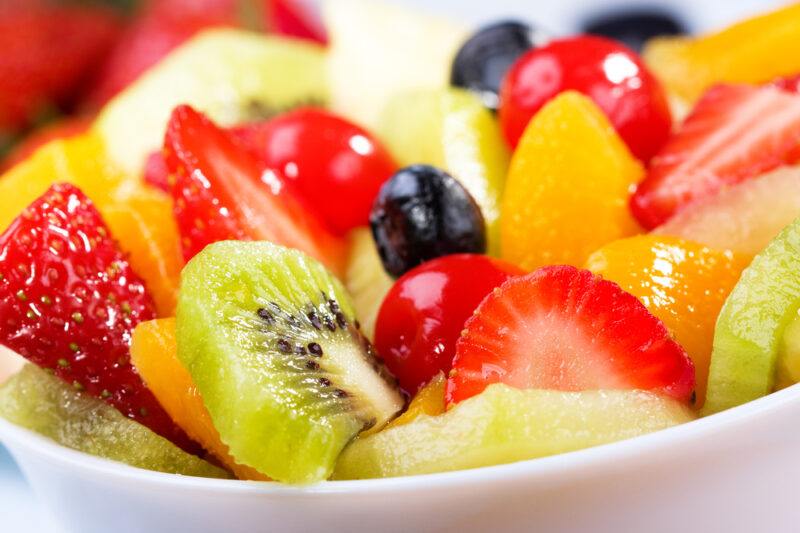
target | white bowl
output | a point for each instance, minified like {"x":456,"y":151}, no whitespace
{"x":736,"y":471}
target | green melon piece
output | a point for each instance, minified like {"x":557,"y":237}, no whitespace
{"x":752,"y":323}
{"x":451,"y":129}
{"x":45,"y":404}
{"x":270,"y":339}
{"x":231,"y":75}
{"x":366,"y":280}
{"x":504,"y":425}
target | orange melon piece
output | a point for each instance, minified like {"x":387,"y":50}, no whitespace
{"x":681,"y":282}
{"x":154,"y":352}
{"x":568,"y":186}
{"x":756,"y":50}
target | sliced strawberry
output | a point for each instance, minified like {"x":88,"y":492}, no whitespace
{"x":156,"y":172}
{"x":296,"y":18}
{"x":221,"y":193}
{"x":69,"y":302}
{"x":48,"y":53}
{"x":566,"y":329}
{"x":736,"y":132}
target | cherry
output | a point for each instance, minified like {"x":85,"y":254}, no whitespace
{"x":606,"y":71}
{"x":421,"y":318}
{"x":337,"y":166}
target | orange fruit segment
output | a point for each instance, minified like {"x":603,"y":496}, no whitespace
{"x":681,"y":282}
{"x":428,"y":401}
{"x":568,"y":186}
{"x":753,"y":51}
{"x":78,"y":160}
{"x":154,"y":352}
{"x":145,"y":228}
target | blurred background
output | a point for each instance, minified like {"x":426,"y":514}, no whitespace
{"x":62,"y":60}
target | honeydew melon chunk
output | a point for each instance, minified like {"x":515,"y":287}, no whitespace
{"x":503,"y":425}
{"x":45,"y":404}
{"x":230,"y":75}
{"x":378,"y":49}
{"x":752,"y":323}
{"x":450,"y":129}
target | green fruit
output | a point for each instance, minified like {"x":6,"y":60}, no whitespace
{"x":450,"y":129}
{"x":230,"y":75}
{"x":788,"y":371}
{"x":752,"y":322}
{"x":45,"y":404}
{"x":378,"y":50}
{"x":366,"y":280}
{"x":503,"y":425}
{"x":268,"y":336}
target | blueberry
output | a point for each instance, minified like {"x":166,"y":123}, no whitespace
{"x":422,"y":213}
{"x":634,"y":28}
{"x":482,"y":61}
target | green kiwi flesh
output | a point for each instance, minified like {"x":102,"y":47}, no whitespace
{"x":271,"y":341}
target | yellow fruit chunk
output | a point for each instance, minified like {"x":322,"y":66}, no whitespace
{"x":428,"y":401}
{"x":681,"y":282}
{"x":79,"y":160}
{"x":365,"y":279}
{"x":568,"y":185}
{"x":154,"y":352}
{"x":753,"y":51}
{"x":145,"y":228}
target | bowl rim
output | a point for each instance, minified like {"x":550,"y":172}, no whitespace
{"x":556,"y":465}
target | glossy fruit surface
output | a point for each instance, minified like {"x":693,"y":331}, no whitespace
{"x":423,"y":213}
{"x":735,"y":133}
{"x":154,"y":353}
{"x":295,"y":18}
{"x":233,"y":76}
{"x":451,"y":129}
{"x":484,"y":59}
{"x":752,"y":51}
{"x":336,"y":165}
{"x":568,"y":186}
{"x":605,"y":71}
{"x":428,"y":401}
{"x":682,"y":283}
{"x":221,"y":193}
{"x":40,"y":402}
{"x":145,"y":229}
{"x":423,"y":314}
{"x":504,"y":425}
{"x":567,"y":329}
{"x":69,"y":301}
{"x":366,"y":280}
{"x":743,"y":218}
{"x":750,"y":326}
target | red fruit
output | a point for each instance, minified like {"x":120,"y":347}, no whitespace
{"x":48,"y":52}
{"x":295,"y":18}
{"x":63,"y":129}
{"x":566,"y":329}
{"x":337,"y":166}
{"x":790,"y":84}
{"x":156,"y":172}
{"x":162,"y":26}
{"x":222,"y":193}
{"x":423,"y":314}
{"x":735,"y":132}
{"x":604,"y":70}
{"x":69,"y":302}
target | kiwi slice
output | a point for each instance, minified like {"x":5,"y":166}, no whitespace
{"x":271,"y":341}
{"x":40,"y":402}
{"x":503,"y":425}
{"x":231,"y":75}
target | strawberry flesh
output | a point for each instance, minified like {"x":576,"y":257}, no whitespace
{"x":567,"y":329}
{"x":69,"y":302}
{"x":221,"y":193}
{"x":736,"y":132}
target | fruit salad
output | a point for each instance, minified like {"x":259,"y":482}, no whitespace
{"x":369,"y":242}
